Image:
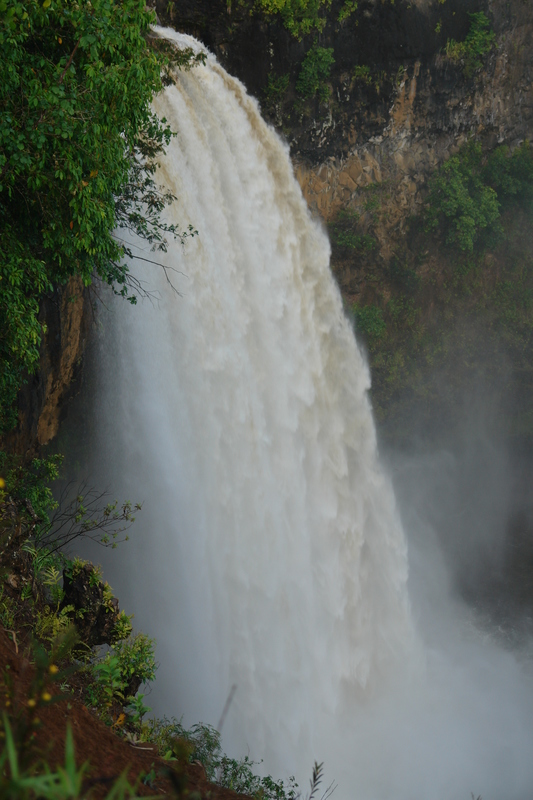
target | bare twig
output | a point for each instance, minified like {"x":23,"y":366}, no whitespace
{"x":69,"y":62}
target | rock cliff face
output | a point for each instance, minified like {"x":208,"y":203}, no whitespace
{"x":398,"y":105}
{"x":43,"y":401}
{"x":433,"y":110}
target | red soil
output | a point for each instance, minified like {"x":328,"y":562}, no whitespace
{"x":107,"y":753}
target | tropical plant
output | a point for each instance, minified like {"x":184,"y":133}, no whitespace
{"x":460,"y":202}
{"x":78,"y":148}
{"x":315,"y":72}
{"x":109,"y":684}
{"x":136,"y":659}
{"x":301,"y":17}
{"x":468,"y":191}
{"x":136,"y":709}
{"x":201,"y":743}
{"x":479,"y":41}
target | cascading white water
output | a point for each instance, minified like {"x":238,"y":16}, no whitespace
{"x":269,"y":553}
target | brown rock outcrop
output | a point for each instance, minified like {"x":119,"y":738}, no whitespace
{"x":42,"y":400}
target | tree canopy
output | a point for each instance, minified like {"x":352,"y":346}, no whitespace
{"x":77,"y":145}
{"x":468,"y":191}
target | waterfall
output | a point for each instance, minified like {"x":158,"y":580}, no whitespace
{"x":269,"y":553}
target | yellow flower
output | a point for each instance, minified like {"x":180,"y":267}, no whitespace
{"x":2,"y":483}
{"x":31,"y":703}
{"x":53,"y":669}
{"x":46,"y":696}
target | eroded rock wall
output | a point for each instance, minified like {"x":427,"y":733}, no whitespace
{"x":434,"y":109}
{"x":43,"y":400}
{"x":398,"y":106}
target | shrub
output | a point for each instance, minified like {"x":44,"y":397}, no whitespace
{"x":460,"y":202}
{"x":479,"y":41}
{"x":300,"y":17}
{"x":349,"y":240}
{"x":315,"y":72}
{"x":343,"y":233}
{"x":275,"y":92}
{"x":136,"y":660}
{"x":30,"y":483}
{"x":109,"y":684}
{"x":78,"y":141}
{"x":511,"y":175}
{"x":370,"y":321}
{"x":361,"y":72}
{"x":202,"y":743}
{"x":467,"y":192}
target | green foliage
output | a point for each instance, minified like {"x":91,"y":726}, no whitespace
{"x":136,"y":658}
{"x":78,"y":142}
{"x":370,"y":322}
{"x":88,"y":514}
{"x":52,"y":622}
{"x":315,"y":72}
{"x":47,"y":570}
{"x":344,"y":236}
{"x":204,"y":746}
{"x":348,"y":8}
{"x":349,"y":240}
{"x":403,"y":276}
{"x":7,"y":610}
{"x":511,"y":175}
{"x":109,"y":684}
{"x":31,"y":483}
{"x":467,"y":192}
{"x":460,"y":202}
{"x":204,"y":741}
{"x":275,"y":92}
{"x":57,"y":523}
{"x":123,"y":627}
{"x":23,"y":279}
{"x":300,"y":17}
{"x":361,"y":72}
{"x":120,"y":672}
{"x":136,"y":709}
{"x":479,"y":41}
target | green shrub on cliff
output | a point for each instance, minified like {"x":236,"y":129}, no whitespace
{"x":479,"y":41}
{"x":315,"y":71}
{"x":467,"y":192}
{"x":301,"y":17}
{"x":460,"y":203}
{"x":78,"y":140}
